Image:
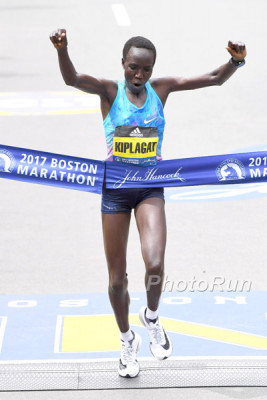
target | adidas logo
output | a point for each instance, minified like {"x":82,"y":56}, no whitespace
{"x":136,"y":132}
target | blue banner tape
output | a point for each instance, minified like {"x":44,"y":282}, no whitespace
{"x":88,"y":175}
{"x":222,"y":169}
{"x":51,"y":169}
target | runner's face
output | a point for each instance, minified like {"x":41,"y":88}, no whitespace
{"x":138,"y":68}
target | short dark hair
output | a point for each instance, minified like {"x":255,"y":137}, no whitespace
{"x":141,"y":43}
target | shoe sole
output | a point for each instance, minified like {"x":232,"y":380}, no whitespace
{"x":141,"y":317}
{"x":141,"y":314}
{"x":137,"y":349}
{"x":129,"y":376}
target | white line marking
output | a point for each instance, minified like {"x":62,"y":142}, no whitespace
{"x":47,"y":103}
{"x":121,"y":14}
{"x":58,"y":334}
{"x":99,"y":360}
{"x":2,"y":330}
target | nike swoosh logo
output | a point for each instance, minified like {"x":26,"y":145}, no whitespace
{"x":146,"y":121}
{"x":166,"y":346}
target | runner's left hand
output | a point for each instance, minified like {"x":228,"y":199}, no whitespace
{"x":237,"y":50}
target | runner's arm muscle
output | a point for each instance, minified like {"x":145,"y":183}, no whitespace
{"x":164,"y":86}
{"x":214,"y":78}
{"x":71,"y":77}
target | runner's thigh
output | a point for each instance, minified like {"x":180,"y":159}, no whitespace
{"x":115,"y":233}
{"x":151,"y":223}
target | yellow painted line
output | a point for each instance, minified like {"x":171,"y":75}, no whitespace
{"x":90,"y":333}
{"x":69,"y":93}
{"x":17,"y":114}
{"x":6,"y":113}
{"x":60,"y":112}
{"x":210,"y":332}
{"x":7,"y":93}
{"x":99,"y":333}
{"x":88,"y":111}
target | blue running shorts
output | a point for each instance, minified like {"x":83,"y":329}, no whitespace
{"x":124,"y":200}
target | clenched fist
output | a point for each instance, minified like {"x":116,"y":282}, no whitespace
{"x":59,"y":39}
{"x":237,"y":50}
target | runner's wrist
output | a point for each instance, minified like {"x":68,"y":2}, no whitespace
{"x":237,"y":63}
{"x":62,"y":49}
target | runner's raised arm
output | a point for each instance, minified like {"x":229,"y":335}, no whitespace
{"x":165,"y":86}
{"x":71,"y":77}
{"x":106,"y":89}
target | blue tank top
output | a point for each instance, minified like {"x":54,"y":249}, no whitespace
{"x":123,"y":112}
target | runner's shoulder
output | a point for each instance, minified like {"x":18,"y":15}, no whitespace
{"x":162,"y":87}
{"x":163,"y":83}
{"x":110,"y":88}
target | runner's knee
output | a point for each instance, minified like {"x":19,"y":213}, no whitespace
{"x":118,"y":283}
{"x":155,"y":267}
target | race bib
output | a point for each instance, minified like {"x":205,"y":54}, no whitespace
{"x":135,"y":145}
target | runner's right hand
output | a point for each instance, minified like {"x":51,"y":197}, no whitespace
{"x":59,"y":39}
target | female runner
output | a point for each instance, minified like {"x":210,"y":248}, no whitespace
{"x":136,"y":104}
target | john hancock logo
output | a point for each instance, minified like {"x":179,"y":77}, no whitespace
{"x":230,"y":170}
{"x":7,"y":161}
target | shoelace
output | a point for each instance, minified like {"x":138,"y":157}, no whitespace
{"x":128,"y":353}
{"x":157,"y":333}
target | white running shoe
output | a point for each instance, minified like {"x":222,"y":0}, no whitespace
{"x":129,"y":367}
{"x":160,"y":343}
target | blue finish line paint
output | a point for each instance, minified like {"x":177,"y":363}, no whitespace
{"x":82,"y":326}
